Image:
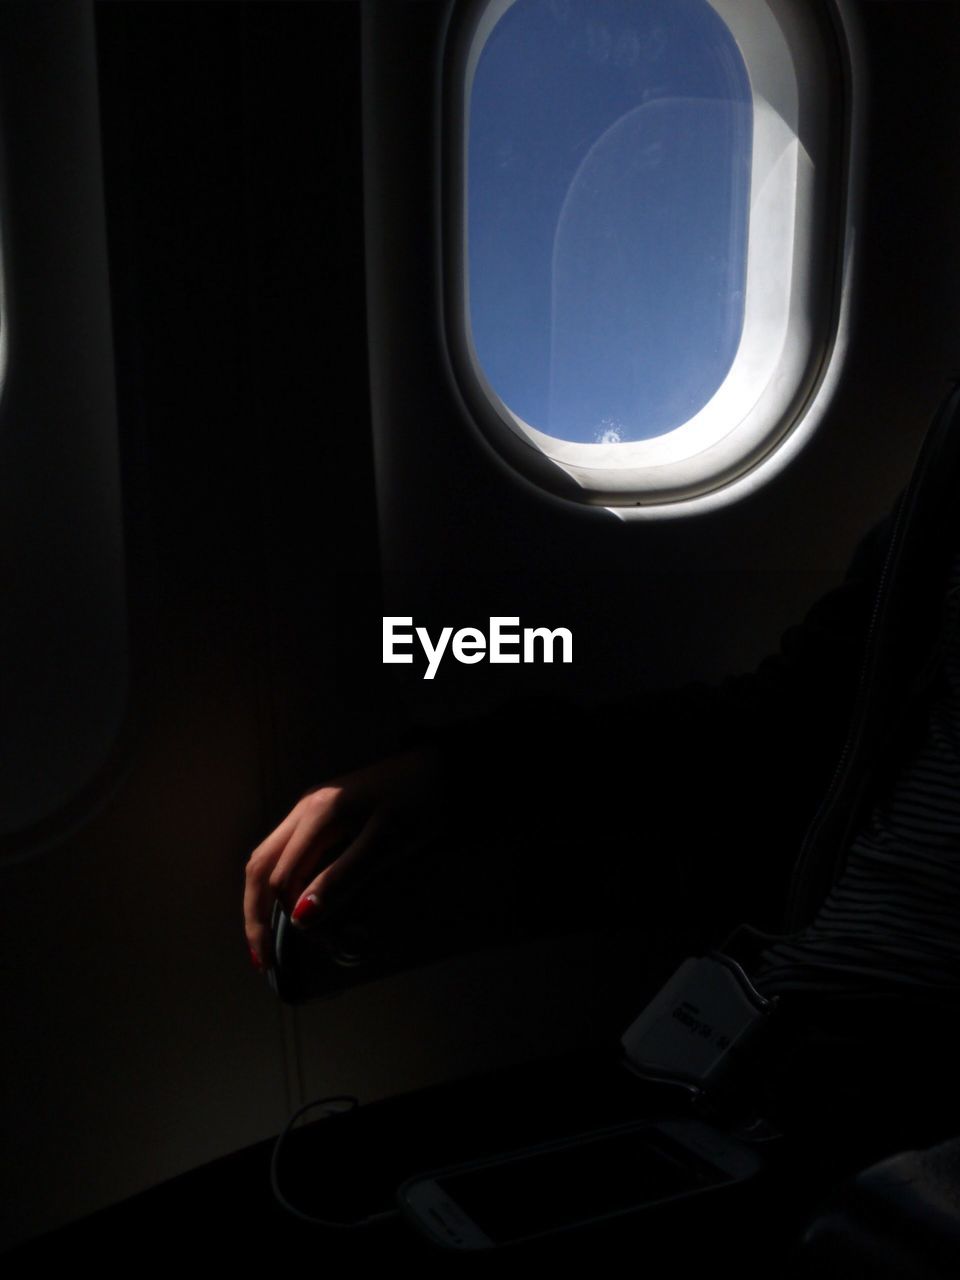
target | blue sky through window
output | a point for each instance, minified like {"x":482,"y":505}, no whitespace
{"x":608,"y":175}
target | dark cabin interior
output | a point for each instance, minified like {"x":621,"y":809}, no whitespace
{"x":280,"y":459}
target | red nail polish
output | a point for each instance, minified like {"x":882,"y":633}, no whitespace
{"x":305,"y":909}
{"x":255,"y":959}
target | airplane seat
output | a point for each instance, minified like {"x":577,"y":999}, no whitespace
{"x":899,"y":1217}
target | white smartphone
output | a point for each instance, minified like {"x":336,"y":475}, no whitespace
{"x":562,"y":1185}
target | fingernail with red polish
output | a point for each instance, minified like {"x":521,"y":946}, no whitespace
{"x":255,"y":959}
{"x":305,"y":909}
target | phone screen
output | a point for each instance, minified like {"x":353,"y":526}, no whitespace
{"x":547,"y":1190}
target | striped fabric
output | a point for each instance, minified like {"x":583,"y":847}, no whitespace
{"x":891,"y":924}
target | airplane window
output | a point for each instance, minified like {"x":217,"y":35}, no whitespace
{"x":607,"y":213}
{"x":647,"y":259}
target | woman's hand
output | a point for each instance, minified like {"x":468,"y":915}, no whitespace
{"x":334,"y":839}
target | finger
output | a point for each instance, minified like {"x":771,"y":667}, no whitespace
{"x":345,"y":875}
{"x":257,"y":897}
{"x":257,"y":933}
{"x":316,"y":840}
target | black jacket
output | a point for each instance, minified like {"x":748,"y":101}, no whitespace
{"x":735,"y":802}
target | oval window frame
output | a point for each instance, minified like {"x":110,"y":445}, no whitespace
{"x":799,"y":57}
